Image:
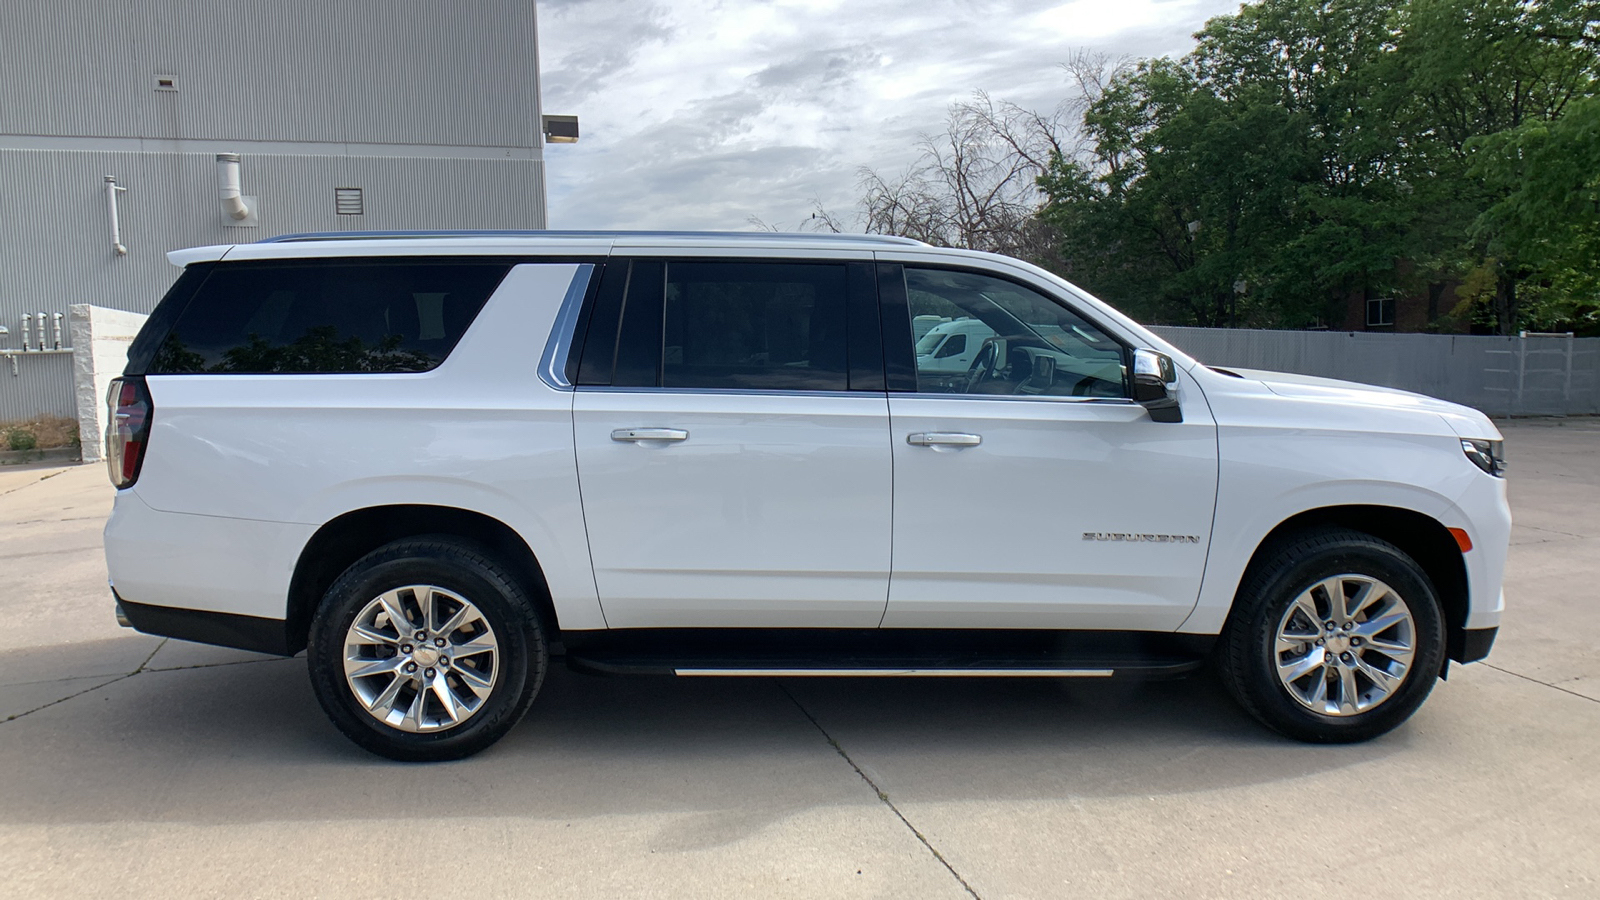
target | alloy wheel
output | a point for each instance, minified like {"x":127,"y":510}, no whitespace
{"x":421,"y":658}
{"x":1345,"y":645}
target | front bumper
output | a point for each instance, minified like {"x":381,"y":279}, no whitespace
{"x":1472,"y":644}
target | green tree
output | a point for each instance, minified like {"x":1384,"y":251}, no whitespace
{"x":1310,"y":150}
{"x":1547,"y":176}
{"x":1478,"y":69}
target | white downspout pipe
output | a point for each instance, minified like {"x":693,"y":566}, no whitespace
{"x":112,"y":190}
{"x":232,"y":194}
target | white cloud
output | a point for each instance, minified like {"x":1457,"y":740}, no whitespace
{"x":703,"y":113}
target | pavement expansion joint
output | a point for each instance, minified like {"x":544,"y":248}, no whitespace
{"x":218,"y":665}
{"x":32,"y":483}
{"x":86,"y":690}
{"x":883,"y":796}
{"x":107,"y":683}
{"x":1547,"y":684}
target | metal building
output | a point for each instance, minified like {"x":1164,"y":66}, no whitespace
{"x":354,"y":115}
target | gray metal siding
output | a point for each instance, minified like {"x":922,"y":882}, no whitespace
{"x":1519,"y":376}
{"x":42,"y":386}
{"x":61,"y":254}
{"x":353,"y":71}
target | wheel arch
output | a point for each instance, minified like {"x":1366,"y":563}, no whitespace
{"x":1420,"y":536}
{"x":348,"y":537}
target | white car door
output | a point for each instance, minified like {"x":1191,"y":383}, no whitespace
{"x":1031,"y":492}
{"x":734,"y":457}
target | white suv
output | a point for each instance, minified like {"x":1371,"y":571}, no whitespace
{"x":435,"y":461}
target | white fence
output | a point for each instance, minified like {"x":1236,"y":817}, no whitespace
{"x":1528,"y":375}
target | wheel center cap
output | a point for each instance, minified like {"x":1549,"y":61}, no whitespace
{"x":1338,"y":643}
{"x":425,"y":656}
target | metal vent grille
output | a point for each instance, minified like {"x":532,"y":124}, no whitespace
{"x":347,"y":201}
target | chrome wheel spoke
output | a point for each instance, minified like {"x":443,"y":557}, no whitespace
{"x":1374,"y":627}
{"x":1400,"y":653}
{"x":1348,"y":695}
{"x":414,"y":711}
{"x":1383,"y":683}
{"x":1295,"y":643}
{"x":1321,"y":647}
{"x":366,"y":668}
{"x":373,"y":635}
{"x":1296,"y":670}
{"x":478,"y":644}
{"x":395,"y":612}
{"x":382,"y":705}
{"x":454,"y":712}
{"x":1318,"y":697}
{"x":1307,"y":607}
{"x":1333,"y":589}
{"x":473,"y":679}
{"x":454,"y":623}
{"x":1367,"y":594}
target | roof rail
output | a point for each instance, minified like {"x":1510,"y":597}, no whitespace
{"x":752,"y":236}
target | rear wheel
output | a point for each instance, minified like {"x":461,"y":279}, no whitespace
{"x":426,"y":649}
{"x":1336,"y":637}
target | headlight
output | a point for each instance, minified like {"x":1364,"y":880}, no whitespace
{"x":1489,"y":456}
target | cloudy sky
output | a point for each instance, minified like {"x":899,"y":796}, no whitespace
{"x":699,"y":114}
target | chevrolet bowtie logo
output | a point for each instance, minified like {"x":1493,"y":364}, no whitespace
{"x":1141,"y":538}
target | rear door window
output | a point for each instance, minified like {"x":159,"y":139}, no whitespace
{"x":735,"y":325}
{"x":315,"y":317}
{"x":771,"y":326}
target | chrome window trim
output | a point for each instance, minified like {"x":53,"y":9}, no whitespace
{"x":1025,"y":398}
{"x":716,"y":392}
{"x":761,"y":392}
{"x":553,"y":364}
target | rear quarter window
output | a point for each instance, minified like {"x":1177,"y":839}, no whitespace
{"x":326,"y":317}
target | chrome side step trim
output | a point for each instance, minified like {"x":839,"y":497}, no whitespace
{"x":899,"y":673}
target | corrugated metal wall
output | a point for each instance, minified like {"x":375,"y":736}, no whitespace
{"x":356,"y":71}
{"x":429,"y":106}
{"x":42,"y":386}
{"x":1520,"y":376}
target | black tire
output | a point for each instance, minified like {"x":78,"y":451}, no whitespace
{"x":1247,"y":654}
{"x":467,"y":571}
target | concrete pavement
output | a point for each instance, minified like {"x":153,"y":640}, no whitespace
{"x":166,"y":769}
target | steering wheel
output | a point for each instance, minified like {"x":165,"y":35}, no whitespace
{"x":983,"y":365}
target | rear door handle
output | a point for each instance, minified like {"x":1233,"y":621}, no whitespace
{"x":943,"y":439}
{"x":649,"y":434}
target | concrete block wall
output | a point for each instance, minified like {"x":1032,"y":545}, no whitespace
{"x":100,"y":340}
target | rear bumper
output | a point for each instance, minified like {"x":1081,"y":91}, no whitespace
{"x":222,"y":629}
{"x":237,"y":567}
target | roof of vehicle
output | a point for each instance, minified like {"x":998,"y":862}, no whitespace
{"x":344,"y":243}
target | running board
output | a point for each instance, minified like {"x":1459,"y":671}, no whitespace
{"x":898,"y":673}
{"x":885,"y":653}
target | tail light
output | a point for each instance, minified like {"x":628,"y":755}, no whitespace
{"x":128,"y":429}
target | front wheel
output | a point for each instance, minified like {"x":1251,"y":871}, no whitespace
{"x":426,"y":649}
{"x":1336,"y":637}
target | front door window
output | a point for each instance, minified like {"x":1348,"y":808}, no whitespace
{"x":1027,"y":343}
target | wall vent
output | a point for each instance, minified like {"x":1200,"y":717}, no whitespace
{"x":167,"y":83}
{"x":347,"y":201}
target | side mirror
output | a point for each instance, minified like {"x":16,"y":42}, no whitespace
{"x":1155,"y":383}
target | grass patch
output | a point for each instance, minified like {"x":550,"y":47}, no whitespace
{"x":39,"y":433}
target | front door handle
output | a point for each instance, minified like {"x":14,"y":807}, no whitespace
{"x":649,"y":434}
{"x":943,"y":439}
